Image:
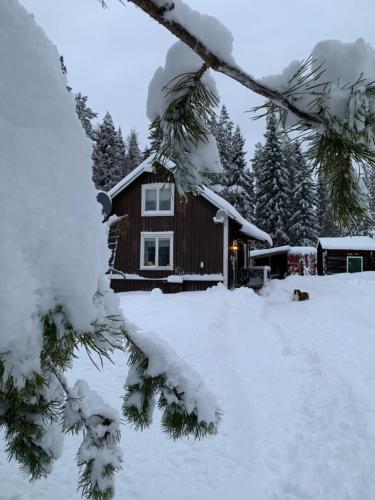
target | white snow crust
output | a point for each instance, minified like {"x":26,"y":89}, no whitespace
{"x":295,"y":381}
{"x":53,"y":248}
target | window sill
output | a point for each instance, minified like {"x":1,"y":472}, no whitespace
{"x":166,"y":213}
{"x":156,"y":268}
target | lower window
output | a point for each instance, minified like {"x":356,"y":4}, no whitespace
{"x":157,"y":250}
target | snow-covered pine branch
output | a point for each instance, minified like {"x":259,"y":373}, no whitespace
{"x":329,"y":97}
{"x":158,"y":376}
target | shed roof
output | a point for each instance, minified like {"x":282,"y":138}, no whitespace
{"x":269,"y":251}
{"x":246,"y":227}
{"x":348,"y":243}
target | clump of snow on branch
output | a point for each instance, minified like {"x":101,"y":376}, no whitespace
{"x":99,"y":454}
{"x":339,"y":84}
{"x":181,"y":385}
{"x":207,"y":29}
{"x":203,"y":156}
{"x":50,"y":257}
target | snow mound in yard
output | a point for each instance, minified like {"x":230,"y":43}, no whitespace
{"x":296,"y":382}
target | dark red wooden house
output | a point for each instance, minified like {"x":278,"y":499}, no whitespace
{"x":160,"y":240}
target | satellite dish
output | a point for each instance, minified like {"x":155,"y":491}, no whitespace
{"x":106,"y":202}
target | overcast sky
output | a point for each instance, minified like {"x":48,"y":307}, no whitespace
{"x":112,"y":54}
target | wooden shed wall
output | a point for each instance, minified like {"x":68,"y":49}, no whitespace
{"x":335,"y":260}
{"x":196,"y":237}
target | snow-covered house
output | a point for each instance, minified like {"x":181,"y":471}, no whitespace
{"x":285,"y":260}
{"x":349,"y":254}
{"x":160,"y":240}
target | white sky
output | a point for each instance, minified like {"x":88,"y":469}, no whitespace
{"x":112,"y":54}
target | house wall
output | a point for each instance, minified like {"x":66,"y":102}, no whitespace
{"x":335,"y":260}
{"x":196,"y":237}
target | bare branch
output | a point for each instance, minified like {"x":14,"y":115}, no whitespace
{"x":217,"y":64}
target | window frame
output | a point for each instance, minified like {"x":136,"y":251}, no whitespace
{"x":158,"y":186}
{"x":354,"y":257}
{"x":157,"y":235}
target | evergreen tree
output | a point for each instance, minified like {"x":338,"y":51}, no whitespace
{"x":272,"y":212}
{"x":238,"y":180}
{"x":133,"y":154}
{"x":121,"y":153}
{"x":108,"y":164}
{"x":326,"y":220}
{"x":303,"y":228}
{"x":222,"y":129}
{"x":85,"y":114}
{"x":156,"y":138}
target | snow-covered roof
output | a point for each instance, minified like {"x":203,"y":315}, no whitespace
{"x":269,"y":251}
{"x":302,"y":250}
{"x":246,"y":227}
{"x":284,"y":249}
{"x":348,"y":243}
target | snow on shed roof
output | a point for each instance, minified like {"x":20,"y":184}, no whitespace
{"x":284,"y":249}
{"x":348,"y":243}
{"x":269,"y":251}
{"x":219,"y":202}
{"x":302,"y":250}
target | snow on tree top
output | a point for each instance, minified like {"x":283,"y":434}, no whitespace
{"x":348,"y":243}
{"x":246,"y":227}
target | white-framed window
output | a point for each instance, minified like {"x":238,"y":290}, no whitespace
{"x":157,"y":250}
{"x":157,"y":199}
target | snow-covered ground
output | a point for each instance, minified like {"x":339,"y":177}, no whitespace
{"x":295,"y":380}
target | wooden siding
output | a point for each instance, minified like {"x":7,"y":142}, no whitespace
{"x":335,"y":260}
{"x":148,"y":285}
{"x":196,"y":237}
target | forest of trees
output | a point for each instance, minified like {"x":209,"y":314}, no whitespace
{"x":275,"y":189}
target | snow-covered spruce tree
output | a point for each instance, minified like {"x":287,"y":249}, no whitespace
{"x":271,"y":198}
{"x":133,"y":153}
{"x":222,"y":129}
{"x":155,"y":137}
{"x":369,"y":179}
{"x":237,"y":179}
{"x":107,"y":155}
{"x":85,"y":115}
{"x":303,"y":227}
{"x":327,"y":226}
{"x":54,"y":297}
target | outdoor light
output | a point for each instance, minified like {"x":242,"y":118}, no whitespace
{"x":233,"y":248}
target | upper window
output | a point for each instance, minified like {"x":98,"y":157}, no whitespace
{"x":158,"y":199}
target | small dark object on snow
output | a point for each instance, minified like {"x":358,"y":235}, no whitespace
{"x":298,"y":295}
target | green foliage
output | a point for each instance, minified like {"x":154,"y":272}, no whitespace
{"x":333,"y":155}
{"x":24,"y":416}
{"x":186,"y":123}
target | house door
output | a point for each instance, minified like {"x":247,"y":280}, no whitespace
{"x":354,"y":264}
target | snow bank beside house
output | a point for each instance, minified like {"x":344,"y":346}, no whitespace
{"x":295,"y":381}
{"x":49,"y":256}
